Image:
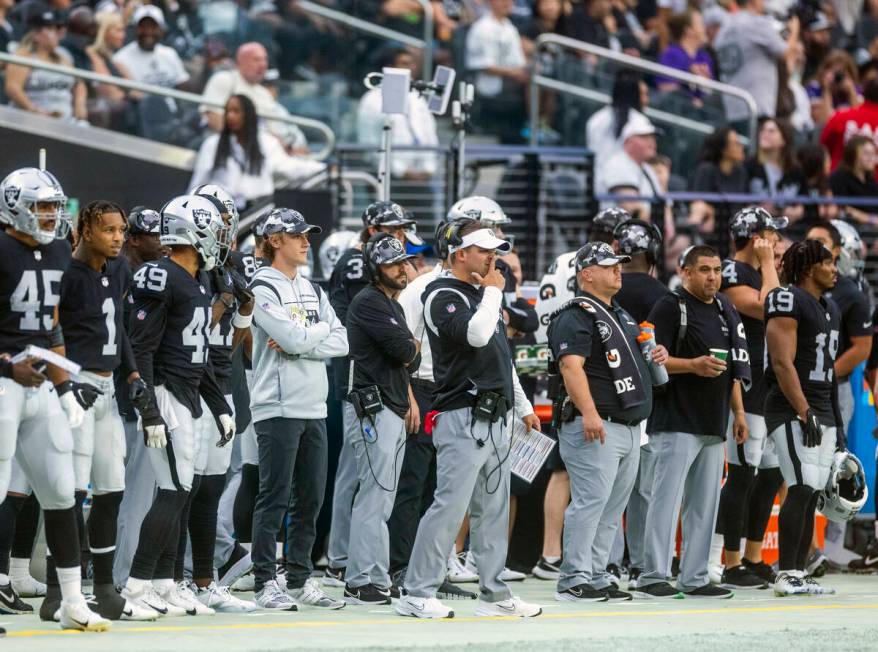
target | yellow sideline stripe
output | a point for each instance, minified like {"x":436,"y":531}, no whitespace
{"x":316,"y":624}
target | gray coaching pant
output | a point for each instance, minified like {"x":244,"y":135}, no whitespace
{"x":638,"y":507}
{"x":136,"y":501}
{"x":468,"y":477}
{"x":601,"y":479}
{"x":343,"y":493}
{"x":688,"y":473}
{"x":379,"y":463}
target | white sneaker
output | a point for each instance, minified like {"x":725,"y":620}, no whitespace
{"x":813,"y":587}
{"x":220,"y":599}
{"x":787,"y":584}
{"x":77,"y":615}
{"x":514,"y":606}
{"x":509,"y":575}
{"x":28,"y":587}
{"x":149,"y":598}
{"x":506,"y":575}
{"x":457,"y":570}
{"x":409,"y":605}
{"x":274,"y":598}
{"x":245,"y":583}
{"x":180,"y":595}
{"x":312,"y":595}
{"x":715,"y":573}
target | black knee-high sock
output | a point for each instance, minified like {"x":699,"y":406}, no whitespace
{"x":807,"y":532}
{"x":102,"y":534}
{"x":159,"y":531}
{"x":63,"y":542}
{"x":245,"y":502}
{"x":791,"y":523}
{"x":80,"y":497}
{"x":180,"y":553}
{"x":26,"y":526}
{"x":202,"y":524}
{"x":10,"y":509}
{"x":733,"y":504}
{"x":767,"y":484}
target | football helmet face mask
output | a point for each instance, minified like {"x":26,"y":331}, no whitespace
{"x":24,"y":196}
{"x":851,"y":261}
{"x":195,"y":221}
{"x":220,"y":193}
{"x":483,"y":209}
{"x":846,"y":491}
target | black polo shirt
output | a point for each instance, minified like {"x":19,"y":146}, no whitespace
{"x":573,"y":331}
{"x":856,"y":315}
{"x":639,"y":293}
{"x":694,"y":404}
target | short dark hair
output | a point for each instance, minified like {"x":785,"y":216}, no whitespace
{"x":699,"y":251}
{"x":90,"y":216}
{"x":829,"y":227}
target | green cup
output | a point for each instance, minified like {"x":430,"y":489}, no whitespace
{"x":719,"y":354}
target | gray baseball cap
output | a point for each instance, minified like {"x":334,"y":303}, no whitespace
{"x":600,"y":254}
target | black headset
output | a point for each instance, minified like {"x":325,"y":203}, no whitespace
{"x":451,"y":232}
{"x":654,"y":249}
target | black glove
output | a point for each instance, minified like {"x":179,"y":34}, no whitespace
{"x":85,"y":394}
{"x":222,"y":282}
{"x":812,"y":433}
{"x":841,"y":440}
{"x":139,"y":394}
{"x":241,"y":291}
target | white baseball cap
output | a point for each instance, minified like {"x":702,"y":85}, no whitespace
{"x":148,"y":11}
{"x":483,"y":239}
{"x":637,"y":125}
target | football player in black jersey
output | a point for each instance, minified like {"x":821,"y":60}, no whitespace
{"x":91,"y":314}
{"x":855,"y":345}
{"x":348,"y":278}
{"x":35,"y":423}
{"x":753,"y":474}
{"x":801,"y":407}
{"x":169,"y":331}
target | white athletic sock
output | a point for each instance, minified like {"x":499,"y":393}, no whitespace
{"x":164,"y":585}
{"x":70,"y":581}
{"x":4,"y":579}
{"x":279,"y":550}
{"x":716,"y":550}
{"x":19,"y":568}
{"x":552,"y":559}
{"x":247,"y":546}
{"x":136,"y":585}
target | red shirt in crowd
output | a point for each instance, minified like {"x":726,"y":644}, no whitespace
{"x":862,"y":120}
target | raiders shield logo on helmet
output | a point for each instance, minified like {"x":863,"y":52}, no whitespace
{"x":11,"y":195}
{"x":201,"y":217}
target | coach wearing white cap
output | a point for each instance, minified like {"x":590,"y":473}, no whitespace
{"x":477,"y":396}
{"x":146,"y":59}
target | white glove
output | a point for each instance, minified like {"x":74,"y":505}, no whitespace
{"x":227,"y":430}
{"x":75,"y":413}
{"x":155,"y":436}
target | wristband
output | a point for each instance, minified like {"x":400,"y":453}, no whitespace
{"x":242,"y":321}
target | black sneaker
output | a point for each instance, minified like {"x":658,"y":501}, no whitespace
{"x":581,"y":593}
{"x":450,"y":591}
{"x":367,"y":594}
{"x":51,"y":603}
{"x":394,"y":591}
{"x":615,"y":571}
{"x":10,"y":603}
{"x":761,"y":569}
{"x":547,"y":570}
{"x":633,"y":574}
{"x":710,"y":591}
{"x":741,"y":577}
{"x":615,"y":595}
{"x":238,"y":565}
{"x":333,"y":576}
{"x":658,"y":590}
{"x":868,"y":563}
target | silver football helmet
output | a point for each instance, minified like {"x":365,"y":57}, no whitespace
{"x":22,"y":196}
{"x":332,"y":247}
{"x":479,"y":208}
{"x":195,"y":221}
{"x":846,"y":491}
{"x":852,"y":259}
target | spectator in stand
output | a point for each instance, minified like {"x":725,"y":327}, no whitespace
{"x":547,"y":19}
{"x":42,"y":91}
{"x":817,"y":41}
{"x":855,"y":177}
{"x":800,"y":118}
{"x":110,"y":38}
{"x":813,"y":161}
{"x":686,"y":52}
{"x":6,"y":31}
{"x":603,"y":130}
{"x":748,"y":49}
{"x":834,"y":88}
{"x":494,"y":51}
{"x":146,"y":59}
{"x":721,"y":170}
{"x":245,"y":159}
{"x":862,"y":120}
{"x":627,"y":171}
{"x":248,"y":78}
{"x":81,"y":31}
{"x":714,"y":18}
{"x":773,"y":170}
{"x":593,"y":22}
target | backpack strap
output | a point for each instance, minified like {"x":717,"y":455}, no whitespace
{"x":684,"y":320}
{"x":265,"y":284}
